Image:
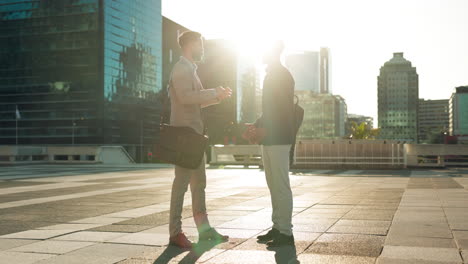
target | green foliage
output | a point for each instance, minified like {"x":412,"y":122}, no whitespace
{"x":363,"y":131}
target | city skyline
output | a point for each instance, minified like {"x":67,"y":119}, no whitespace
{"x":362,"y":35}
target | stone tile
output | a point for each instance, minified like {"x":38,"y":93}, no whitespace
{"x":302,"y":241}
{"x":459,"y":225}
{"x":244,"y":257}
{"x":37,"y":234}
{"x":240,"y":233}
{"x":347,"y":244}
{"x":52,"y":247}
{"x":142,"y":239}
{"x":404,"y":261}
{"x":359,"y":230}
{"x":363,"y":223}
{"x":100,"y":220}
{"x":8,"y":243}
{"x":247,"y":224}
{"x":415,"y":241}
{"x":421,"y":254}
{"x":460,"y":234}
{"x":318,"y":227}
{"x":97,"y":254}
{"x":160,"y":253}
{"x":334,"y":259}
{"x":386,"y":215}
{"x":138,"y":212}
{"x":228,"y":213}
{"x":464,"y":254}
{"x":162,"y":229}
{"x":22,"y":258}
{"x":90,"y":236}
{"x":462,"y":243}
{"x":76,"y":227}
{"x":136,"y":261}
{"x":121,"y":228}
{"x":421,"y":230}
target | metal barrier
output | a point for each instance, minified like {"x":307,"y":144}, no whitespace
{"x":342,"y":154}
{"x":236,"y":155}
{"x":337,"y":154}
{"x":436,"y":155}
{"x":10,"y":155}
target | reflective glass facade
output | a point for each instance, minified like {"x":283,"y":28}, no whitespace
{"x":49,"y":70}
{"x":132,"y":70}
{"x":79,"y":71}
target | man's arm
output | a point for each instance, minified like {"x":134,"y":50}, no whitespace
{"x":182,"y":83}
{"x":210,"y":103}
{"x":259,"y":122}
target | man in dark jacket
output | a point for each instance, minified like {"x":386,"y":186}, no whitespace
{"x":274,"y":130}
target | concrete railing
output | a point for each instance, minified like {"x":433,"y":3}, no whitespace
{"x":350,"y":154}
{"x":10,"y":155}
{"x":436,"y":155}
{"x":236,"y":155}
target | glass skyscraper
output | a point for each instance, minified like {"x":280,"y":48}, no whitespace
{"x":80,"y":71}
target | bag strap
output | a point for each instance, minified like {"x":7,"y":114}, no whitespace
{"x":166,"y":101}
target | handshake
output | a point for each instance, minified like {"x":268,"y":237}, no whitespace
{"x":254,"y":134}
{"x":223,"y":92}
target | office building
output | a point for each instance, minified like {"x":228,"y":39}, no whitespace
{"x":433,"y":120}
{"x":171,"y":51}
{"x":222,"y":66}
{"x":398,"y":96}
{"x":311,"y":70}
{"x":80,"y":72}
{"x":324,"y":116}
{"x":458,"y":112}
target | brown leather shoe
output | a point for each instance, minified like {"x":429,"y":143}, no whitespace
{"x":181,"y":241}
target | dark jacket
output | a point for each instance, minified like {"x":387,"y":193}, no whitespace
{"x":277,"y":107}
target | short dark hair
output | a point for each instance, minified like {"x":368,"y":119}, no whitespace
{"x":187,"y":37}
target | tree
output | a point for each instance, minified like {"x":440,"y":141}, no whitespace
{"x":363,"y":131}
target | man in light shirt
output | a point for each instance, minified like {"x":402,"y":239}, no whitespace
{"x":187,"y":98}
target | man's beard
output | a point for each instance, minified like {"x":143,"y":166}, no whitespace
{"x":197,"y":56}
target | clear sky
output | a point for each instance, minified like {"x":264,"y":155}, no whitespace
{"x":362,"y":36}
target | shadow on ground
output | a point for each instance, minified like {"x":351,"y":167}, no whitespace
{"x":194,"y":254}
{"x":285,"y":255}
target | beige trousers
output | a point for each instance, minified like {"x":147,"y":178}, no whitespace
{"x":276,"y":165}
{"x":196,"y":178}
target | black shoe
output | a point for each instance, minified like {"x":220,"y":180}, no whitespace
{"x":268,"y":236}
{"x":281,"y":240}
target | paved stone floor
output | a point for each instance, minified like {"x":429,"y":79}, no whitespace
{"x":97,"y":214}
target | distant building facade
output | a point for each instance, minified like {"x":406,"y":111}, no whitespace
{"x":80,"y":72}
{"x":222,"y":66}
{"x":324,"y":115}
{"x":433,"y":120}
{"x":458,"y":112}
{"x":398,"y":95}
{"x":325,"y":71}
{"x":248,"y":86}
{"x":311,"y":70}
{"x":171,"y":51}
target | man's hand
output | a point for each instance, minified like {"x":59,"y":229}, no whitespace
{"x":223,"y":93}
{"x":248,"y":133}
{"x":253,"y":134}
